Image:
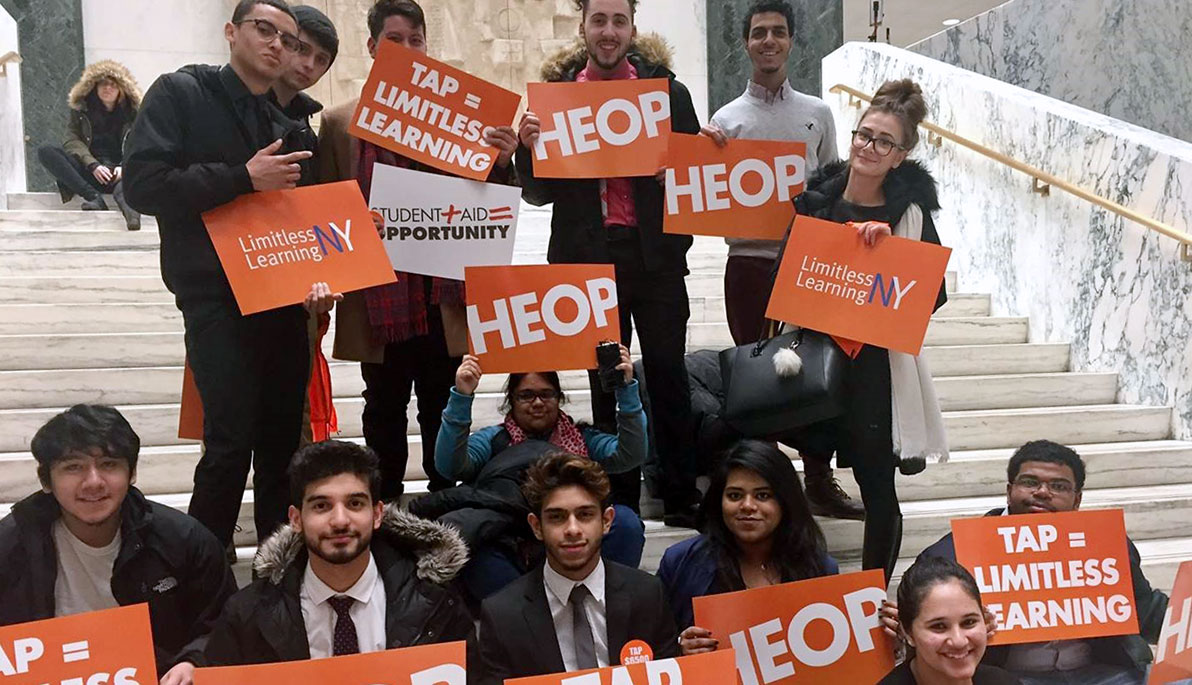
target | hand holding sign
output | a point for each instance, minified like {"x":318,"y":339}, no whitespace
{"x":467,"y":376}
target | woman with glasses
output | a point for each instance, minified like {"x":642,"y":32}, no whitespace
{"x":534,"y":425}
{"x":891,"y":414}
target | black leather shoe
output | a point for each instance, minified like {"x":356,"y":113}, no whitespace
{"x":827,"y":498}
{"x":681,"y":517}
{"x":95,"y":205}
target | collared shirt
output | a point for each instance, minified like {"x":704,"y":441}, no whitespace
{"x":368,"y":612}
{"x":616,"y":194}
{"x":558,"y":592}
{"x":760,"y":92}
{"x":252,"y":109}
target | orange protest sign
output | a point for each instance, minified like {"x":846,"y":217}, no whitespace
{"x":601,"y":129}
{"x":111,"y":646}
{"x":431,"y":112}
{"x":439,"y":664}
{"x":274,"y":245}
{"x":1059,"y":576}
{"x":542,"y":317}
{"x":743,"y":190}
{"x":824,"y":630}
{"x":190,"y":412}
{"x":1173,"y":659}
{"x":831,"y":282}
{"x":715,"y":668}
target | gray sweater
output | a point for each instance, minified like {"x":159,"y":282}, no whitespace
{"x":786,"y":115}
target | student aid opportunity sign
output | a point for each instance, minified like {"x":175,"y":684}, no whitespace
{"x":715,"y":668}
{"x":1060,"y":576}
{"x":884,"y":295}
{"x":431,"y":112}
{"x":439,"y":664}
{"x":111,"y":647}
{"x":823,"y":630}
{"x":436,"y":225}
{"x":274,"y":245}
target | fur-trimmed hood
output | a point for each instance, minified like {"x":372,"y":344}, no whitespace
{"x":438,"y":549}
{"x":650,"y":48}
{"x":910,"y":183}
{"x":92,"y":75}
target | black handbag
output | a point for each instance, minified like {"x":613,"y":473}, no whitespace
{"x":760,"y":403}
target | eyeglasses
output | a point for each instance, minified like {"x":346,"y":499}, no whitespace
{"x":882,"y":146}
{"x":1057,"y":487}
{"x":528,"y":396}
{"x":268,"y":33}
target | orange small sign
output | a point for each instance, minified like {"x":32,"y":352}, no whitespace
{"x":636,"y":652}
{"x":884,"y":295}
{"x":1059,"y":576}
{"x":274,"y":245}
{"x":823,"y":630}
{"x":715,"y":668}
{"x":431,"y":112}
{"x":540,"y":317}
{"x":601,"y":129}
{"x":743,"y":190}
{"x":111,"y":646}
{"x":1173,"y":658}
{"x":439,"y":664}
{"x":190,"y":412}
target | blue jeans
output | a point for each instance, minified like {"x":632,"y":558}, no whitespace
{"x":490,"y":569}
{"x":1093,"y":674}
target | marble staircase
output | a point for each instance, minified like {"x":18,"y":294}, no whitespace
{"x":87,"y":319}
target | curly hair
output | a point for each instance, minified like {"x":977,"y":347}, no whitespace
{"x":560,"y":470}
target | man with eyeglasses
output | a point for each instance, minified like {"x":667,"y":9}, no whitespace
{"x":206,"y":135}
{"x":1045,"y":477}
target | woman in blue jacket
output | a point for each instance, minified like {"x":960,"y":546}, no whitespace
{"x":759,"y":532}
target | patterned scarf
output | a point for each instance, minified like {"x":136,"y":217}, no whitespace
{"x":566,"y":435}
{"x":397,"y":311}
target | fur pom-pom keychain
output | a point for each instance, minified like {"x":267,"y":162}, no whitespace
{"x":787,"y":363}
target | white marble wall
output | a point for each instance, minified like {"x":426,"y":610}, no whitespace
{"x":12,"y":146}
{"x":1117,"y":291}
{"x":1124,"y":58}
{"x":684,"y":24}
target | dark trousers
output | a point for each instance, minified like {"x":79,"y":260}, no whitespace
{"x":747,"y":283}
{"x":71,"y":173}
{"x":657,"y":305}
{"x":423,"y":365}
{"x":251,"y":375}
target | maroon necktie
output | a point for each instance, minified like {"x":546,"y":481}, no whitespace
{"x":344,"y":640}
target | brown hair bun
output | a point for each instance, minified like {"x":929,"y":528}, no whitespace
{"x":904,"y":99}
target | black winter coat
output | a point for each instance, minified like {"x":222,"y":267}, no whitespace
{"x":416,"y":559}
{"x":186,"y":154}
{"x":166,"y":559}
{"x":577,"y":223}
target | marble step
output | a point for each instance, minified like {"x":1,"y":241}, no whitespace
{"x":109,"y":222}
{"x":84,"y":289}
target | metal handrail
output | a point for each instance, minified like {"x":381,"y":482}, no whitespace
{"x":6,"y":59}
{"x":1043,"y":181}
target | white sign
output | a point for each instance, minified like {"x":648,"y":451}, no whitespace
{"x":436,"y":225}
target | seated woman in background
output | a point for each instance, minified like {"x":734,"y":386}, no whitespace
{"x":944,"y":625}
{"x":533,"y":413}
{"x":759,"y":531}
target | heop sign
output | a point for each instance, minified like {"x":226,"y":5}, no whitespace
{"x":743,"y":190}
{"x":601,"y":129}
{"x":438,"y":225}
{"x":822,"y":630}
{"x":274,"y":245}
{"x":715,"y":668}
{"x":884,"y":295}
{"x":1059,"y":576}
{"x":431,"y":112}
{"x":540,"y":318}
{"x":439,"y":664}
{"x":1173,"y":659}
{"x":111,"y":647}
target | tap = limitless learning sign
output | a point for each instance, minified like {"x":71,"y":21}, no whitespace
{"x":112,"y":647}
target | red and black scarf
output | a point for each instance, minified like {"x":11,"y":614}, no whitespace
{"x":566,"y":435}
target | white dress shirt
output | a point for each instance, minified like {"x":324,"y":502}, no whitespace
{"x":368,"y":612}
{"x":558,"y":591}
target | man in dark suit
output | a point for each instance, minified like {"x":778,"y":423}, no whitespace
{"x":575,"y":612}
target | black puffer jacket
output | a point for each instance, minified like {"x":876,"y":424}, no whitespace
{"x":577,"y":225}
{"x":166,"y":559}
{"x":416,"y":559}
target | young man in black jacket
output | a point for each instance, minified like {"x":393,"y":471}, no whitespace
{"x":348,"y":575}
{"x":576,"y":611}
{"x":91,"y":541}
{"x":205,"y":136}
{"x":619,"y":221}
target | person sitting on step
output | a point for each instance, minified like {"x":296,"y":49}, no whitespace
{"x":1045,"y":477}
{"x":758,"y":531}
{"x":91,"y":541}
{"x":103,"y":105}
{"x":533,"y":413}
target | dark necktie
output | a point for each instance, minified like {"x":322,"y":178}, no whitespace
{"x":344,"y":641}
{"x":581,"y":629}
